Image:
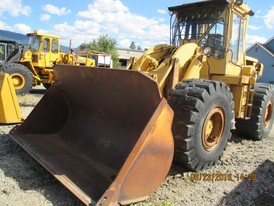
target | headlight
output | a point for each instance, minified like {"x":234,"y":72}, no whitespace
{"x":258,"y":67}
{"x":207,"y":51}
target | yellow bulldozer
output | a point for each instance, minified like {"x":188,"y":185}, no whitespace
{"x":109,"y":134}
{"x":33,"y":65}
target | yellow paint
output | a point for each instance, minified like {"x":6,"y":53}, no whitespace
{"x":9,"y":107}
{"x":41,"y":62}
{"x":187,"y":61}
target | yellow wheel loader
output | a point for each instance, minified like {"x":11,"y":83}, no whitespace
{"x":108,"y":134}
{"x":33,"y":65}
{"x":209,"y":81}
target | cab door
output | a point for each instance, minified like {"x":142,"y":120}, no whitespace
{"x":50,"y":51}
{"x":237,"y":40}
{"x":45,"y":60}
{"x":55,"y":51}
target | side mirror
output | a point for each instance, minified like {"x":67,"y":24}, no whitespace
{"x":251,"y":13}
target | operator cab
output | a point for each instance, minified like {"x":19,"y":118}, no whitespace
{"x":45,"y":49}
{"x":216,"y":26}
{"x":199,"y":23}
{"x":6,"y":49}
{"x":34,"y":42}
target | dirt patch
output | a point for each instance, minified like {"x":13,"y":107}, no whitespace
{"x":24,"y":182}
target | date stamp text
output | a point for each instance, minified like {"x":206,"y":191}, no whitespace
{"x":195,"y":177}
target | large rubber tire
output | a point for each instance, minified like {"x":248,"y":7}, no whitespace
{"x":21,"y":76}
{"x":203,"y":119}
{"x":260,"y":123}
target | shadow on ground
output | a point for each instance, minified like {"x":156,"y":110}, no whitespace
{"x":20,"y":166}
{"x":38,"y":90}
{"x":259,"y":190}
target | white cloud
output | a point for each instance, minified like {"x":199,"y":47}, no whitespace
{"x":14,"y":8}
{"x":258,"y":14}
{"x":45,"y":17}
{"x":162,"y":19}
{"x":79,"y":32}
{"x":18,"y":28}
{"x":115,"y":19}
{"x":161,"y":11}
{"x":251,"y":39}
{"x":51,"y":9}
{"x":125,"y":43}
{"x":102,"y":17}
{"x":22,"y":28}
{"x":88,"y":27}
{"x":254,"y":27}
{"x":268,"y":18}
{"x":4,"y":26}
{"x":101,"y":6}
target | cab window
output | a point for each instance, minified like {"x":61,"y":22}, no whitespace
{"x":54,"y":48}
{"x":46,"y":45}
{"x":236,"y":44}
{"x":2,"y":52}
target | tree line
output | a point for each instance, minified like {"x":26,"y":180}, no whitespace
{"x":106,"y":44}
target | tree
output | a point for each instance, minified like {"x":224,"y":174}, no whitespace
{"x":132,"y":45}
{"x":105,"y":44}
{"x":139,"y":48}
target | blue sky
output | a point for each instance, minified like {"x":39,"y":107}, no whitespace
{"x":144,"y":22}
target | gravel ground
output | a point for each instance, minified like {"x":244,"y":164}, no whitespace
{"x":24,"y":182}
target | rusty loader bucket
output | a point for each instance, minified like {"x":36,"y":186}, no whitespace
{"x":104,"y":133}
{"x":9,"y":107}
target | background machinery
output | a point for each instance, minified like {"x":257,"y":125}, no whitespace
{"x":34,"y":65}
{"x":111,"y":143}
{"x":6,"y":47}
{"x":101,"y":59}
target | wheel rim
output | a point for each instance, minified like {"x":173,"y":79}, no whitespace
{"x":213,"y":129}
{"x":18,"y":81}
{"x":268,"y":114}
